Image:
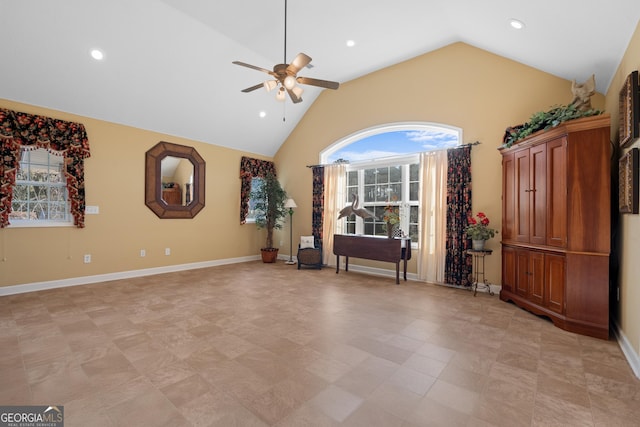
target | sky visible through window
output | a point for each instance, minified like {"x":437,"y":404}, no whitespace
{"x":396,"y":143}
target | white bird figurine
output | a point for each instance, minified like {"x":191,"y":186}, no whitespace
{"x":354,"y":209}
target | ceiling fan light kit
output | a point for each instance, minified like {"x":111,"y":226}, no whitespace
{"x":286,"y":75}
{"x":270,"y":85}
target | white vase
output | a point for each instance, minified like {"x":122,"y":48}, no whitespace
{"x":478,"y":245}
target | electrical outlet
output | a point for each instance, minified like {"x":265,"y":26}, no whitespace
{"x":143,"y":253}
{"x":87,"y":258}
{"x":167,"y":251}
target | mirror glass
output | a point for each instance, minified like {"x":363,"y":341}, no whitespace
{"x":177,"y":180}
{"x":174,"y":180}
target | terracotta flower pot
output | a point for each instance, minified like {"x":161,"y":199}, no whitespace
{"x":269,"y":255}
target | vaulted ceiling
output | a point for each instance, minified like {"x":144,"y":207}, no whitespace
{"x":168,"y":63}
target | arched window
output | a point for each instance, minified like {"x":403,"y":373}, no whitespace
{"x":383,"y":172}
{"x":392,"y":140}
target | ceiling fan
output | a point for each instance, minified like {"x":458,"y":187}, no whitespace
{"x":286,"y":75}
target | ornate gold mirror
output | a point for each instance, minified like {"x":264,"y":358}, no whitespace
{"x":174,"y":180}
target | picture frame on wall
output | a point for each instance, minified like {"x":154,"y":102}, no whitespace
{"x":629,"y":110}
{"x":628,"y":178}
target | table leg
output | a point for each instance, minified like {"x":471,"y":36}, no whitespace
{"x":398,"y":273}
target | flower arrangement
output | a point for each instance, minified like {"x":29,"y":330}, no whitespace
{"x":478,"y":229}
{"x":391,"y":215}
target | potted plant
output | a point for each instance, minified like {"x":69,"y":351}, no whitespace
{"x":479,"y":231}
{"x":270,"y":198}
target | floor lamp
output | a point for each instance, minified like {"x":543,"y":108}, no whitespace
{"x":290,"y":204}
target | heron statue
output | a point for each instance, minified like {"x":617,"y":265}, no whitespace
{"x":353,"y":209}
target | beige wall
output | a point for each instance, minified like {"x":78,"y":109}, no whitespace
{"x":458,"y":85}
{"x":627,"y":310}
{"x":115,"y":182}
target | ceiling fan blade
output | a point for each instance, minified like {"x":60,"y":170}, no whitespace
{"x":253,"y":67}
{"x":299,"y":62}
{"x":317,"y":82}
{"x":295,"y":98}
{"x":252,"y":88}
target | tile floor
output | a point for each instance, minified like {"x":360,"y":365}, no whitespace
{"x":269,"y":345}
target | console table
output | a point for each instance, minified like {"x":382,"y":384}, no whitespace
{"x":373,"y":248}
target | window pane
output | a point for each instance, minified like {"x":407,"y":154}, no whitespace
{"x":368,"y":229}
{"x":352,"y":178}
{"x":57,"y":211}
{"x":351,"y":227}
{"x":38,"y":174}
{"x":382,"y":175}
{"x":58,"y":194}
{"x":394,"y":193}
{"x":56,"y":177}
{"x":414,"y":188}
{"x":369,"y":176}
{"x":413,"y":233}
{"x":413,"y":214}
{"x":351,"y":191}
{"x":414,"y":172}
{"x":395,"y":174}
{"x":369,"y":193}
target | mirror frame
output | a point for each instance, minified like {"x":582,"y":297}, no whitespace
{"x":153,"y":180}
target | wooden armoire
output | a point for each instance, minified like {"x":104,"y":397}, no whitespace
{"x":556,"y":234}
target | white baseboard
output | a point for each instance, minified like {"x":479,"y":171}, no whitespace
{"x":629,"y":352}
{"x":378,"y":271}
{"x":85,"y":280}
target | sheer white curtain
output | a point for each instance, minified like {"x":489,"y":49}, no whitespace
{"x":335,"y":184}
{"x":433,"y":218}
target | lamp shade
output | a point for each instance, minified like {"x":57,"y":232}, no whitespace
{"x":269,"y":85}
{"x":290,"y":203}
{"x":297,"y":90}
{"x":280,"y":95}
{"x":289,"y":82}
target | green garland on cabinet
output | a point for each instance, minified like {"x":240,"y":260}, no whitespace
{"x":543,"y":120}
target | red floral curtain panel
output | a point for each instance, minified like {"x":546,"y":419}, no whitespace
{"x":317,"y":212}
{"x":251,"y":168}
{"x":18,"y":130}
{"x":457,"y":264}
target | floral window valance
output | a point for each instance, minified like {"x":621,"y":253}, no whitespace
{"x":68,"y":139}
{"x":251,"y":168}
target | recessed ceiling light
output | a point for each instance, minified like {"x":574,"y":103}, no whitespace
{"x":97,"y":54}
{"x":262,"y":114}
{"x":516,"y":23}
{"x":351,"y":43}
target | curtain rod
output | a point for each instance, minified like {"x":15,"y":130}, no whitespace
{"x":347,"y":162}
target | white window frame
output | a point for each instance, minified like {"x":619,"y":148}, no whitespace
{"x":404,"y":202}
{"x":26,"y":223}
